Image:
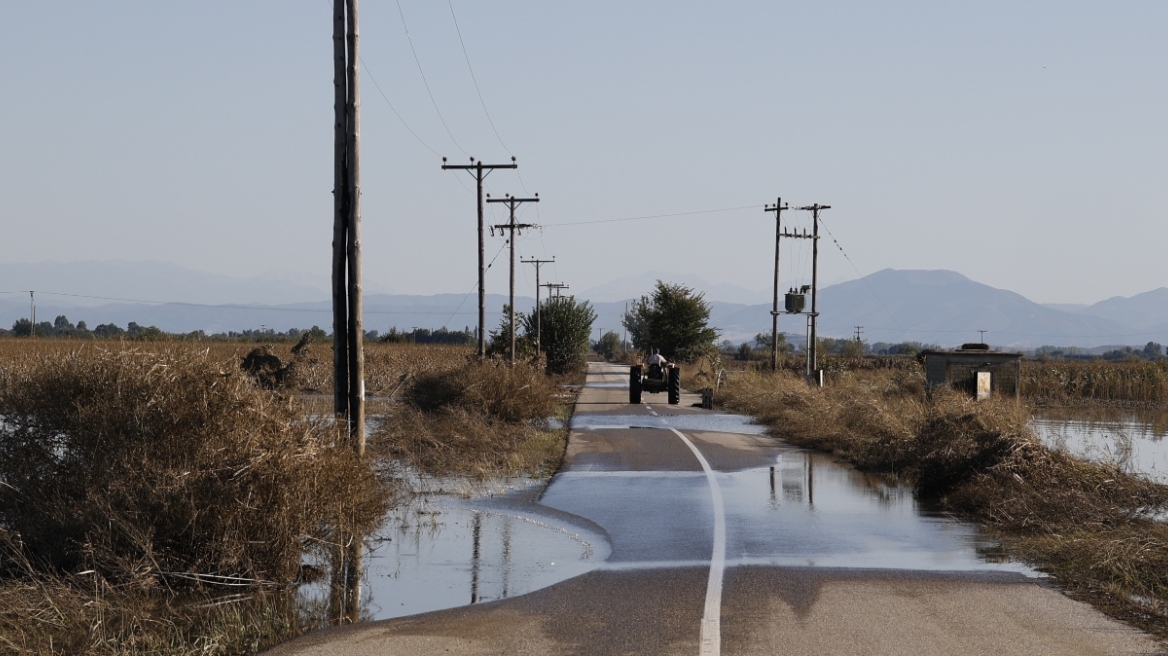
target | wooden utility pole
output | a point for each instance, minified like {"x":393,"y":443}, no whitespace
{"x":480,"y":171}
{"x":778,"y":210}
{"x":813,"y":353}
{"x":353,"y":242}
{"x":512,"y":202}
{"x":538,"y":325}
{"x":348,"y":329}
{"x":555,"y":287}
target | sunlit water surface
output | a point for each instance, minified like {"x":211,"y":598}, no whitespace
{"x":1132,"y":440}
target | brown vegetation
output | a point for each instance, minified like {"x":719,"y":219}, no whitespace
{"x":481,"y":419}
{"x":130,"y":476}
{"x":1087,"y":524}
{"x":1058,"y":383}
{"x":128,"y":469}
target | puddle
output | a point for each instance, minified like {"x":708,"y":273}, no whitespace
{"x":1132,"y":440}
{"x":805,"y":510}
{"x":719,"y":423}
{"x":446,"y":550}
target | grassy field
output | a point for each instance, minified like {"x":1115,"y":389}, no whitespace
{"x":133,"y":474}
{"x":1089,"y":525}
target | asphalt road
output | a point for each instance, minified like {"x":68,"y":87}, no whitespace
{"x":725,"y":541}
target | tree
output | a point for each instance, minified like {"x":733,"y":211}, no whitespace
{"x":674,"y":319}
{"x":764,"y":342}
{"x":566,"y":327}
{"x":22,"y":328}
{"x":609,"y":346}
{"x":107,"y":330}
{"x":500,"y":340}
{"x":1153,"y":350}
{"x":744,"y":352}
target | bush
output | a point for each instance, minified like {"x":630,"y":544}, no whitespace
{"x":490,"y":388}
{"x":479,"y":420}
{"x":136,"y":464}
{"x":673,"y":319}
{"x":566,"y":327}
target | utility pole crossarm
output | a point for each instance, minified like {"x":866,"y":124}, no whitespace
{"x":538,"y":325}
{"x":480,"y":171}
{"x":512,"y":202}
{"x":777,"y":208}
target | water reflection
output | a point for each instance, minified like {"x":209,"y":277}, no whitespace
{"x":345,"y":587}
{"x":1134,"y":441}
{"x":800,"y":509}
{"x":444,"y":551}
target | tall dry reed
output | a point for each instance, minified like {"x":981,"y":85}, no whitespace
{"x":165,"y":463}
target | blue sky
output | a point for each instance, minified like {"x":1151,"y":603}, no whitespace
{"x":1021,"y":144}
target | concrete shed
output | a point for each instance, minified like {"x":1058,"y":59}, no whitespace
{"x":975,"y":369}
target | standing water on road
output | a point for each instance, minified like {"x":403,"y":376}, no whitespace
{"x":1132,"y":440}
{"x":444,"y":550}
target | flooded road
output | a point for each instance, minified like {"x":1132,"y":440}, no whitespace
{"x":695,"y":534}
{"x":1134,"y":441}
{"x":445,"y":551}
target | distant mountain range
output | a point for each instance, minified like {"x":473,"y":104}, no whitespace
{"x":941,"y":307}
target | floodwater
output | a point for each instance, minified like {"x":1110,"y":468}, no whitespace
{"x":1132,"y":440}
{"x":457,"y":544}
{"x":715,"y":422}
{"x":801,"y":509}
{"x":447,"y":549}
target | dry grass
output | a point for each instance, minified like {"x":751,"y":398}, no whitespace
{"x":87,"y":615}
{"x":384,"y":363}
{"x":125,"y":464}
{"x":480,"y":420}
{"x":126,"y":473}
{"x":1076,"y":383}
{"x":1086,"y":523}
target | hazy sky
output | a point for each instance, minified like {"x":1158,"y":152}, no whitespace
{"x":1022,"y":144}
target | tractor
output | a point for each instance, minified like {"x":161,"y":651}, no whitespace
{"x":655,"y":378}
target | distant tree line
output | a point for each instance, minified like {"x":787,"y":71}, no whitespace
{"x":465,"y":336}
{"x":1152,"y":351}
{"x":61,"y":327}
{"x":760,"y":347}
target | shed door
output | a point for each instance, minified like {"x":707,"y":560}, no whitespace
{"x":985,"y":385}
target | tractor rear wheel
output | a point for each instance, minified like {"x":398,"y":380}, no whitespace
{"x":674,"y":386}
{"x":635,"y":386}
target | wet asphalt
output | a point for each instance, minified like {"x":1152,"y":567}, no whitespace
{"x":725,"y":541}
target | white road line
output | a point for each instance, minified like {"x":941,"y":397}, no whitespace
{"x":711,"y":635}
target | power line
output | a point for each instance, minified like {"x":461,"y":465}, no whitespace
{"x":461,"y":303}
{"x":473,"y":78}
{"x":650,"y":216}
{"x":394,"y":109}
{"x":425,"y":81}
{"x":862,"y":277}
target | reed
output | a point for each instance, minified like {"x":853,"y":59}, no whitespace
{"x":1078,"y":382}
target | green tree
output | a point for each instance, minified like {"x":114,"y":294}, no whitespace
{"x":745,"y":352}
{"x":566,"y":327}
{"x":499,"y":343}
{"x":22,"y":328}
{"x":609,"y":346}
{"x":764,"y":342}
{"x":674,"y":319}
